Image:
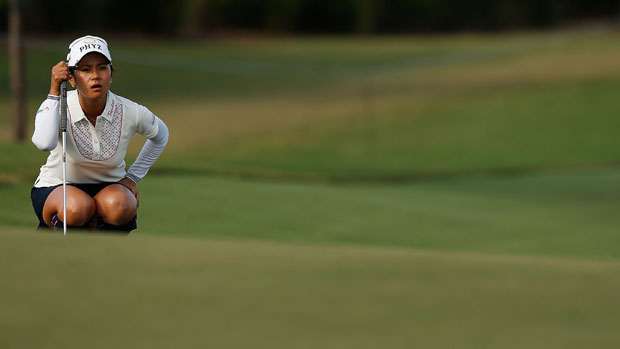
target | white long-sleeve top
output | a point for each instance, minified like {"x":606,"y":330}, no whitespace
{"x":96,"y":154}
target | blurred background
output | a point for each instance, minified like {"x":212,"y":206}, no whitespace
{"x":353,"y":173}
{"x":204,"y":17}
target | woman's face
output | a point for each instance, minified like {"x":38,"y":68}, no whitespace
{"x":92,"y":76}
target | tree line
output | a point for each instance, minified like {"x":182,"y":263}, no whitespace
{"x":199,"y":17}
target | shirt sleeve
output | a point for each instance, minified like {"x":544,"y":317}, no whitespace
{"x":150,"y":153}
{"x":147,"y":124}
{"x":46,"y":125}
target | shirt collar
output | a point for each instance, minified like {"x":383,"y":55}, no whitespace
{"x":108,"y":111}
{"x":76,"y":112}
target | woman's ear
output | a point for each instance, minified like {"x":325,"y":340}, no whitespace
{"x":71,"y":80}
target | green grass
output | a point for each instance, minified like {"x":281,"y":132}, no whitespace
{"x":158,"y":292}
{"x":396,"y":107}
{"x":447,"y":191}
{"x":487,"y":131}
{"x":571,"y":215}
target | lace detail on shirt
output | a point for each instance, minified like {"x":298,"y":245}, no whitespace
{"x":111,"y":132}
{"x":109,"y":137}
{"x":83,"y":138}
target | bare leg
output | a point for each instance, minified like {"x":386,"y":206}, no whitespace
{"x":116,"y":204}
{"x":80,"y":207}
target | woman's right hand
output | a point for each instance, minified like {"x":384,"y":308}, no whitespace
{"x":60,"y":73}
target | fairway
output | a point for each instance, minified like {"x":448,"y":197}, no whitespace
{"x":449,"y":191}
{"x":381,"y":109}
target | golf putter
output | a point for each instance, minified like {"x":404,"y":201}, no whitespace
{"x":63,"y":127}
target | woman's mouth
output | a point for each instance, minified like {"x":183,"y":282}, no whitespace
{"x":96,"y":87}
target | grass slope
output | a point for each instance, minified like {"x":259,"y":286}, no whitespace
{"x":546,"y":214}
{"x":552,"y":214}
{"x":155,"y":292}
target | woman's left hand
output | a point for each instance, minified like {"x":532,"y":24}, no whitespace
{"x":129,"y":184}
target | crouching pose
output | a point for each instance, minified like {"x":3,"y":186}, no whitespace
{"x":101,"y":195}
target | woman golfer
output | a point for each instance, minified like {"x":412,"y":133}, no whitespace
{"x":100,"y":193}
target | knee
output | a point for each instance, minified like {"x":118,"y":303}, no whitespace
{"x":116,"y":207}
{"x":79,"y":211}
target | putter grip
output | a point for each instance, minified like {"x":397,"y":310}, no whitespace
{"x":63,"y":106}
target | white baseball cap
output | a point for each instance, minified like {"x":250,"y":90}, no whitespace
{"x":85,"y":45}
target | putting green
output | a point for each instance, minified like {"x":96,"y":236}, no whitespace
{"x":160,"y":292}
